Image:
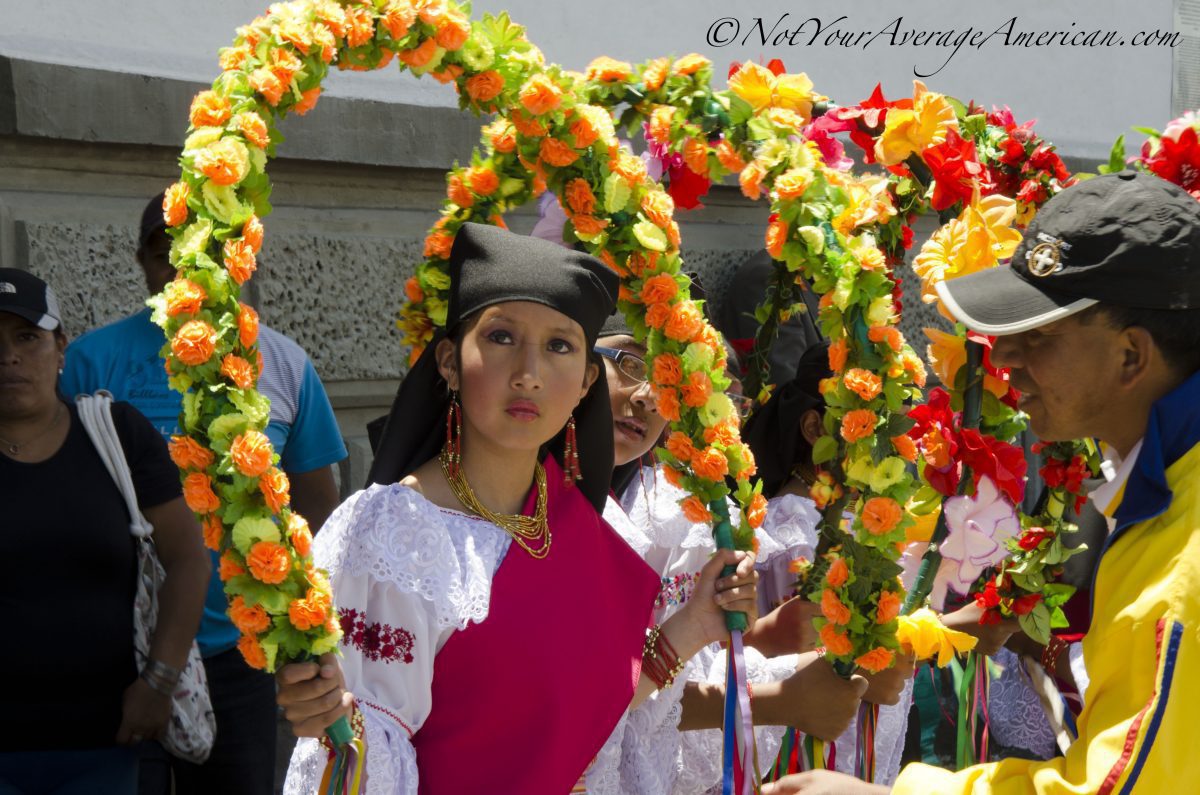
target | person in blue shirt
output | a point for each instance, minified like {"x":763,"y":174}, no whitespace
{"x":123,"y":358}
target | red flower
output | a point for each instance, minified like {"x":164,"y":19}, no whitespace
{"x":1179,"y":161}
{"x":687,"y":187}
{"x":1023,"y":605}
{"x":1004,"y":463}
{"x":906,"y":237}
{"x":1044,"y":159}
{"x":1033,"y":537}
{"x":991,"y":617}
{"x":935,"y":433}
{"x":1013,"y":152}
{"x":871,"y":114}
{"x":989,"y":597}
{"x":954,"y":169}
{"x":1032,"y":192}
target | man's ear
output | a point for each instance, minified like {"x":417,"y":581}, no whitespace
{"x":446,"y":356}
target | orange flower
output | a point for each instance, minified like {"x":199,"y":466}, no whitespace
{"x":833,"y":609}
{"x":657,"y":315}
{"x":268,"y":84}
{"x":695,"y":511}
{"x":252,"y":233}
{"x":710,"y":464}
{"x":453,"y":30}
{"x":658,"y":207}
{"x":239,"y":260}
{"x":858,"y":424}
{"x":863,"y":383}
{"x":685,"y":322}
{"x":608,"y":70}
{"x":639,"y":262}
{"x":695,"y":156}
{"x":659,"y":289}
{"x":225,"y":162}
{"x":310,"y":612}
{"x":835,"y":642}
{"x":679,"y":444}
{"x":697,"y":390}
{"x":632,"y":169}
{"x":673,"y":476}
{"x":655,"y":73}
{"x":187,"y":453}
{"x":431,"y":11}
{"x":485,"y":86}
{"x":398,"y":18}
{"x":252,"y":652}
{"x":554,"y":152}
{"x":880,"y":515}
{"x":250,"y":620}
{"x":413,"y":291}
{"x":838,"y":573}
{"x":185,"y":298}
{"x":198,"y":493}
{"x":906,"y":448}
{"x":876,"y":660}
{"x":730,"y":160}
{"x":528,"y":126}
{"x":756,"y":514}
{"x":360,"y":26}
{"x":483,"y":180}
{"x":887,"y":334}
{"x":668,"y":404}
{"x":209,"y":109}
{"x":269,"y":562}
{"x":580,"y":197}
{"x":457,"y":192}
{"x":668,"y":370}
{"x":936,"y":449}
{"x":274,"y":487}
{"x":247,"y":325}
{"x":214,"y":531}
{"x":888,"y":607}
{"x":540,"y":95}
{"x":588,"y":226}
{"x":777,"y":234}
{"x":839,"y":350}
{"x":417,"y":57}
{"x":299,"y":534}
{"x":690,"y":64}
{"x":194,"y":343}
{"x":438,"y":245}
{"x":308,"y":101}
{"x":791,"y":184}
{"x":175,"y":209}
{"x":724,"y":432}
{"x":751,"y":180}
{"x":502,"y":136}
{"x":251,"y":453}
{"x":239,"y":371}
{"x":585,"y":129}
{"x":233,"y":57}
{"x":660,"y":124}
{"x":229,"y":566}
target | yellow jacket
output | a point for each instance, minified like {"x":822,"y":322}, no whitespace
{"x":1140,"y":729}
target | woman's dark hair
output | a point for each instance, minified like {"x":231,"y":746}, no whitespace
{"x":1176,"y":332}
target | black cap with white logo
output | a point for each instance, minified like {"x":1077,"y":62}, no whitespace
{"x":27,"y":296}
{"x":1129,"y":239}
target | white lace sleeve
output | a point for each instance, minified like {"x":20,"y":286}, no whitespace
{"x":603,"y":776}
{"x":619,"y":521}
{"x":890,"y":734}
{"x":405,"y":576}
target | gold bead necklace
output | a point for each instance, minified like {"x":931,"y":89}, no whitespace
{"x":522,"y":529}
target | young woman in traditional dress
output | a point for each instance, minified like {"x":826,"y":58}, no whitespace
{"x":495,"y":625}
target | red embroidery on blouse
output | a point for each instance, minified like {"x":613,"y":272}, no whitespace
{"x":390,"y":714}
{"x":376,"y":641}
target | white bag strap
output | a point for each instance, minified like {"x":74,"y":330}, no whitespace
{"x":95,"y":412}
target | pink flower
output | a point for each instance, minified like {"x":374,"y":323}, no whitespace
{"x":979,"y":528}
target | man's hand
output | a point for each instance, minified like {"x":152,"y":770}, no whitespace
{"x":822,"y":782}
{"x":313,"y":696}
{"x":788,"y":629}
{"x":144,"y":714}
{"x":815,"y":699}
{"x":991,"y":636}
{"x":885,"y":687}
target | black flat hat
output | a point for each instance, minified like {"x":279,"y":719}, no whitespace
{"x":1129,"y":239}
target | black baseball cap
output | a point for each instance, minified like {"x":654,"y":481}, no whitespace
{"x":25,"y":295}
{"x":1128,"y":239}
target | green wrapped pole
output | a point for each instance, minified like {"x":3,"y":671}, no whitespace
{"x":972,"y":411}
{"x":723,"y":532}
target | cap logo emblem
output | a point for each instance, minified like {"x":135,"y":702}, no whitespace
{"x":1046,"y":257}
{"x":7,"y":287}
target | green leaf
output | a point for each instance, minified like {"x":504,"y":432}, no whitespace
{"x":1036,"y":624}
{"x":249,"y":530}
{"x":254,"y":405}
{"x":1058,"y":619}
{"x":1116,"y":158}
{"x":740,"y":111}
{"x":273,"y":598}
{"x":824,"y":449}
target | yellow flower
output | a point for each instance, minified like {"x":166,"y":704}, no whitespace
{"x":870,"y":203}
{"x":909,"y":131}
{"x":761,"y":89}
{"x":947,"y":354}
{"x":887,"y":473}
{"x":923,"y":634}
{"x":981,"y":236}
{"x":922,"y":528}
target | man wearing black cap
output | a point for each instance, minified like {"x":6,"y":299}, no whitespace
{"x":123,"y":358}
{"x":1098,"y":320}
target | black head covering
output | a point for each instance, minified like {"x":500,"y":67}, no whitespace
{"x":773,"y":431}
{"x":490,"y":266}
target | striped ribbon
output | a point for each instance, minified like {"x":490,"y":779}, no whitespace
{"x":740,"y":762}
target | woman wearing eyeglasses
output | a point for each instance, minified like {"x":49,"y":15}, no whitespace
{"x":653,"y":749}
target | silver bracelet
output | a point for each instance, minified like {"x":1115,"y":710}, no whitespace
{"x":166,"y":677}
{"x":157,"y":684}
